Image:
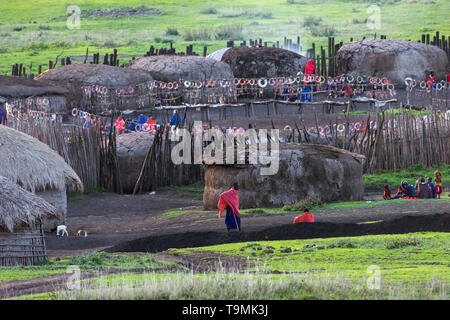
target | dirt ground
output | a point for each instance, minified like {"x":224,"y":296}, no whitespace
{"x":113,"y":219}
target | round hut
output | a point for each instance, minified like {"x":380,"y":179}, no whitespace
{"x":21,"y":233}
{"x":191,"y":69}
{"x":393,"y":59}
{"x":132,"y":148}
{"x":259,"y":62}
{"x":171,"y":68}
{"x":305,"y":171}
{"x":29,"y":95}
{"x":81,"y":81}
{"x":38,"y":169}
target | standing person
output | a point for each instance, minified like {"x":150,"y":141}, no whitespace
{"x":438,"y":183}
{"x":305,"y":217}
{"x":432,"y":187}
{"x":310,"y":68}
{"x":230,"y":200}
{"x":3,"y":115}
{"x":176,"y":119}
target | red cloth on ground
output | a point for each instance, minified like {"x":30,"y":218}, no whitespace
{"x":305,"y":217}
{"x":310,"y":69}
{"x":231,"y":199}
{"x":406,"y":197}
{"x":431,"y":79}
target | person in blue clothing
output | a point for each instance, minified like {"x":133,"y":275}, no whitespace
{"x":176,"y":119}
{"x":410,"y":191}
{"x":142,"y":119}
{"x":432,"y":187}
{"x":2,"y":116}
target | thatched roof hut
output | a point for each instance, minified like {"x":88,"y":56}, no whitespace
{"x":13,"y":88}
{"x":33,"y":164}
{"x":20,"y":208}
{"x":37,"y":168}
{"x":21,"y":216}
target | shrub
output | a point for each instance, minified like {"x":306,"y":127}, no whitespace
{"x":172,"y":32}
{"x":230,"y":32}
{"x":17,"y":29}
{"x":198,"y":34}
{"x":403,"y":242}
{"x":312,"y":21}
{"x":42,"y":27}
{"x":249,"y":13}
{"x":210,"y":10}
{"x":322,"y":31}
{"x":301,"y":205}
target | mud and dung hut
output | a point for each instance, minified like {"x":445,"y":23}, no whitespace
{"x":304,"y":171}
{"x":21,"y":234}
{"x":33,"y":95}
{"x":37,"y":168}
{"x":77,"y":77}
{"x":394,"y":59}
{"x":267,"y":62}
{"x":170,"y":68}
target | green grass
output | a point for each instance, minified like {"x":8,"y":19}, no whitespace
{"x":298,"y":207}
{"x":413,"y":258}
{"x":77,"y":196}
{"x":393,"y":178}
{"x":87,"y":263}
{"x":36,"y":31}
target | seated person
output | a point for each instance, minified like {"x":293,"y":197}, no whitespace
{"x":387,"y":193}
{"x":423,"y":189}
{"x":409,"y":190}
{"x":305,"y":217}
{"x":400,"y":192}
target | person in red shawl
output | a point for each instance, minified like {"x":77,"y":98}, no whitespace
{"x":305,"y":217}
{"x":310,"y":69}
{"x":230,"y":200}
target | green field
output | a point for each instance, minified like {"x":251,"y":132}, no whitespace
{"x":36,"y":31}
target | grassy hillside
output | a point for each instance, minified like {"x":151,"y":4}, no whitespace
{"x":36,"y":31}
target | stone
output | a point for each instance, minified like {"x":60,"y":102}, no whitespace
{"x":306,"y":246}
{"x":259,"y":248}
{"x":320,"y":247}
{"x":310,"y":170}
{"x":393,"y":59}
{"x":268,"y":62}
{"x":331,"y":246}
{"x":296,"y":249}
{"x":287,"y":250}
{"x":253,"y":254}
{"x":268,"y":250}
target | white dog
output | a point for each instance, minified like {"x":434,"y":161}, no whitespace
{"x":62,"y":228}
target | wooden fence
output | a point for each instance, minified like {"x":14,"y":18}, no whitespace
{"x":398,"y":142}
{"x":324,"y":57}
{"x":90,"y":152}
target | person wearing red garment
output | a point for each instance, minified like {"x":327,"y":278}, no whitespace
{"x":431,"y":78}
{"x":305,"y":217}
{"x":310,"y":69}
